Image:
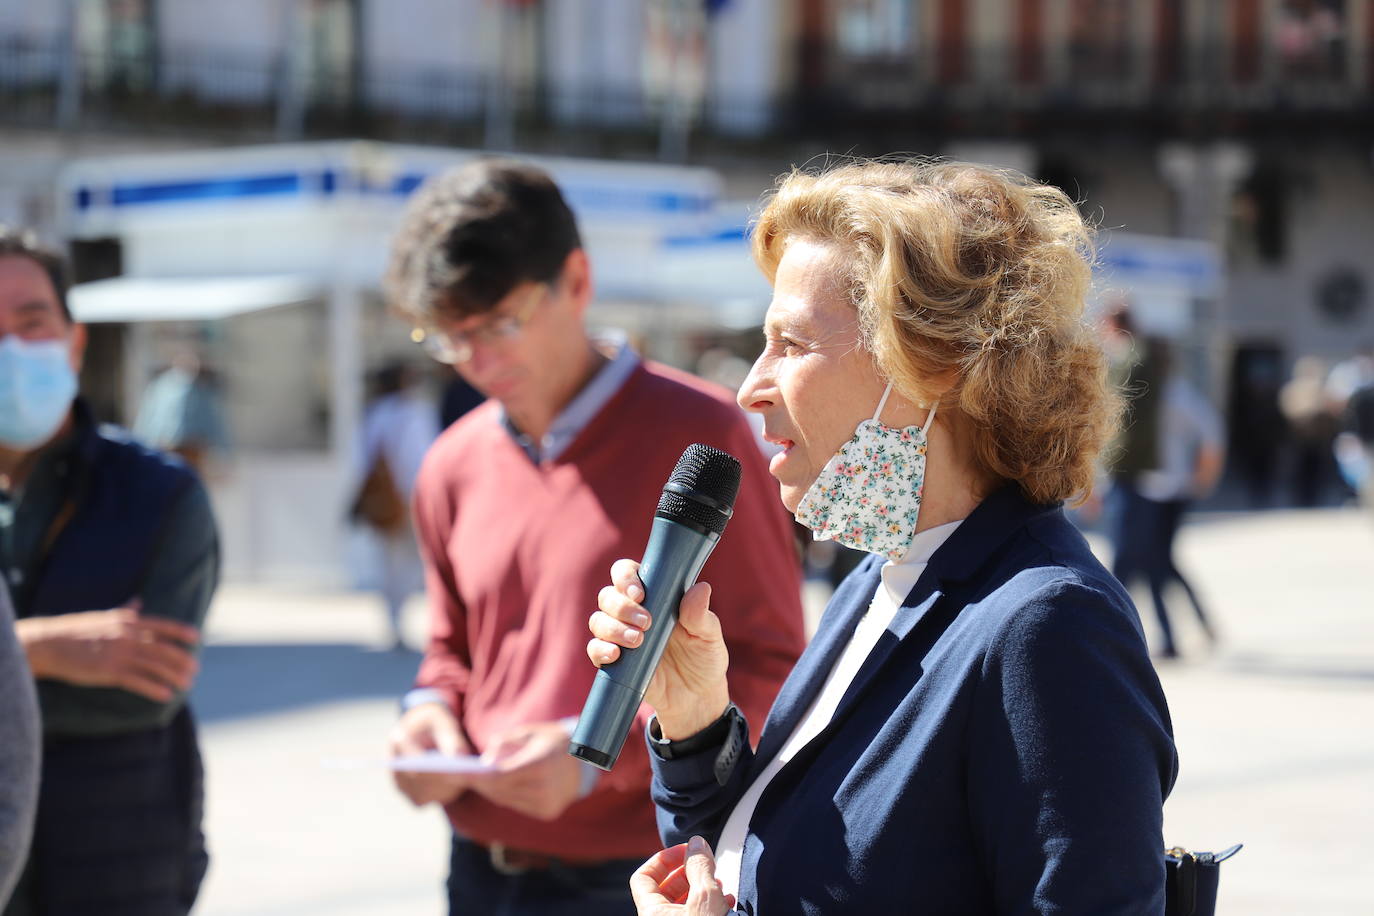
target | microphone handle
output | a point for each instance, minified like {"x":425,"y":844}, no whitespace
{"x":672,"y":561}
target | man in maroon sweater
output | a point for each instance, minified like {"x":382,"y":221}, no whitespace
{"x":520,"y":508}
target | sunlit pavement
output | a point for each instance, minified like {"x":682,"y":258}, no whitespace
{"x":1274,"y":730}
{"x":293,"y":687}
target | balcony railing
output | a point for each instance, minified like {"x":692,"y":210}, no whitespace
{"x":44,"y":83}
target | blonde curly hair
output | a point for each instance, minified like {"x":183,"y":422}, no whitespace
{"x":974,"y":274}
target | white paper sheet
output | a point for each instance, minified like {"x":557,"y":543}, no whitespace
{"x":431,"y":762}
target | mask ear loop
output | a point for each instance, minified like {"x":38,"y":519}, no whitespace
{"x":877,"y":414}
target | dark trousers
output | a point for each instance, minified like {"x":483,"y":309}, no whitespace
{"x":477,"y":888}
{"x":1143,"y":539}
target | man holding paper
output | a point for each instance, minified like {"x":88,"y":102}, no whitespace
{"x":520,"y":508}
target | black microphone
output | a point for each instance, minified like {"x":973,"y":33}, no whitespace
{"x":697,"y":501}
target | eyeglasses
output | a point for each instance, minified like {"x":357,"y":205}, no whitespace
{"x":457,"y":346}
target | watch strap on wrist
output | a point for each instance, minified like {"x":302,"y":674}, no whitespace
{"x":733,"y":746}
{"x":729,"y":733}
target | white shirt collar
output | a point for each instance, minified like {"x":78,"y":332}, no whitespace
{"x":899,"y":576}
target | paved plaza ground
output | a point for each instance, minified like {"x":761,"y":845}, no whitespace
{"x":1275,"y":732}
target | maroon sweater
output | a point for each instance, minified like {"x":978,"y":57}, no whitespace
{"x":515,"y":554}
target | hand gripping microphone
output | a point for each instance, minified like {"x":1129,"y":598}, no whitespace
{"x":697,"y":501}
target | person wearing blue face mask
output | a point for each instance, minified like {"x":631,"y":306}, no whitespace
{"x":976,"y":727}
{"x":110,"y":552}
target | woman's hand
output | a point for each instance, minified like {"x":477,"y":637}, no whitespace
{"x":688,"y":691}
{"x":680,"y":881}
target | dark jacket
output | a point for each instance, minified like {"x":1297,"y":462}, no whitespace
{"x":118,"y":827}
{"x":1006,"y":747}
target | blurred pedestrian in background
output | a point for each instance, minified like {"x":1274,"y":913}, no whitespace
{"x":181,"y":412}
{"x":457,"y":399}
{"x":520,"y":508}
{"x":110,"y":552}
{"x":1312,"y":426}
{"x":1349,"y":375}
{"x":1152,"y":502}
{"x":1134,"y":371}
{"x":1350,"y":392}
{"x":398,"y":428}
{"x":1258,"y":433}
{"x":20,"y":740}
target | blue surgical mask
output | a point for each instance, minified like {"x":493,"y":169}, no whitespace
{"x":37,"y":386}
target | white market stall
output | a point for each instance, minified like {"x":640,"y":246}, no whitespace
{"x":271,"y":257}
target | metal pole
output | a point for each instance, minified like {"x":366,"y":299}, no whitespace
{"x":500,"y":127}
{"x":291,"y":94}
{"x":68,"y":109}
{"x":675,"y":124}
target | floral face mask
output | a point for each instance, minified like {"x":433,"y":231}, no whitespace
{"x":869,"y":494}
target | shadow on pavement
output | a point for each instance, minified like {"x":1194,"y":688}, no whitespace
{"x":239,"y":680}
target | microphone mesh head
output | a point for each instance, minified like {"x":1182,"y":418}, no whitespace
{"x":702,"y":488}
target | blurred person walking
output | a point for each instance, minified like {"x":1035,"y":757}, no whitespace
{"x":1152,"y":503}
{"x":20,"y":739}
{"x":110,"y":552}
{"x":520,"y":508}
{"x":1349,"y":375}
{"x":1355,"y":444}
{"x":1313,"y":426}
{"x":458,"y":398}
{"x":397,"y":429}
{"x":180,"y":412}
{"x":1350,"y":392}
{"x":1258,"y":433}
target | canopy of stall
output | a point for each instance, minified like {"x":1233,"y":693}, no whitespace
{"x":133,"y":299}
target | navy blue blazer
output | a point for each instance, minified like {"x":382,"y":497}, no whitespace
{"x":1005,"y":748}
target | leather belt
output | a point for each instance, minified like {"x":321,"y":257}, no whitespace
{"x":510,"y":861}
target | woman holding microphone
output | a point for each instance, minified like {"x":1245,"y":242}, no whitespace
{"x":976,"y":727}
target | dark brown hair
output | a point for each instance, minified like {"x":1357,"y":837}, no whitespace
{"x":472,"y":234}
{"x":20,"y":243}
